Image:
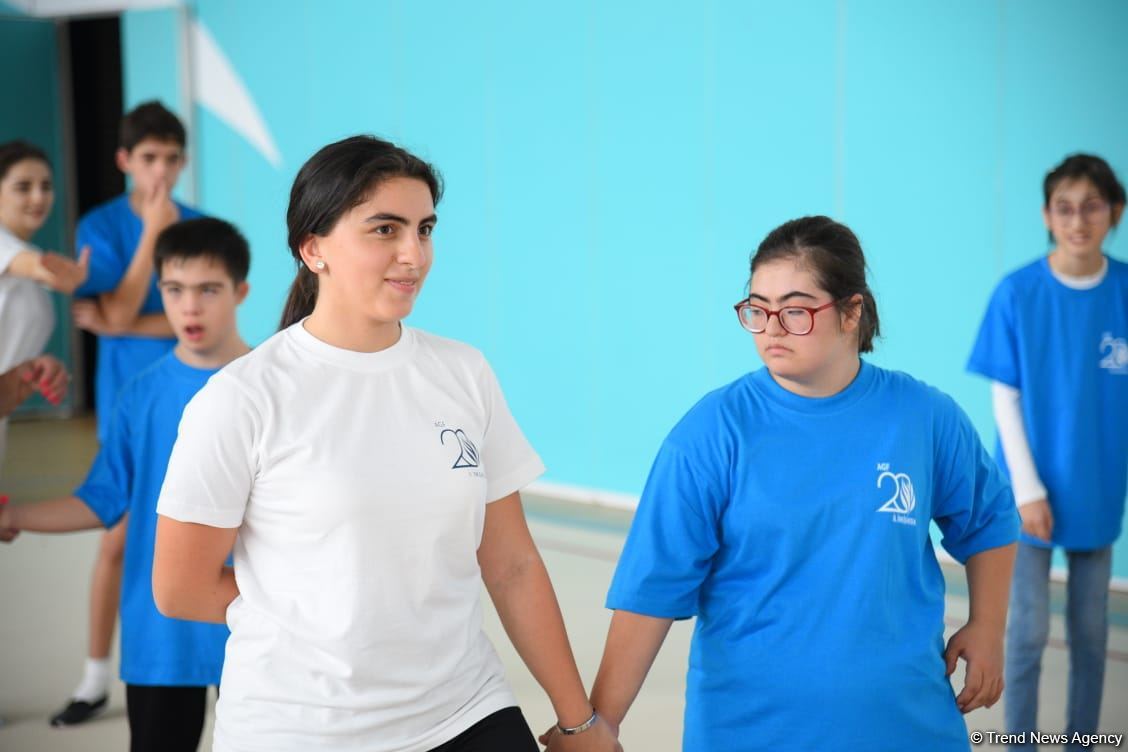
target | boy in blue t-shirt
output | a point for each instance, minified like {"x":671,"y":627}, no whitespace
{"x":167,"y":664}
{"x":123,"y":308}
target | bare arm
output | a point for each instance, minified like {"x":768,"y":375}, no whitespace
{"x":151,"y":325}
{"x":633,"y":641}
{"x":51,"y":269}
{"x":190,"y":578}
{"x":63,"y":515}
{"x":121,"y":305}
{"x":90,"y":316}
{"x":518,"y":584}
{"x":980,"y":641}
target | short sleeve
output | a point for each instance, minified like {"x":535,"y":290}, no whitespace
{"x":509,"y":461}
{"x":214,"y":462}
{"x":10,"y":247}
{"x":995,"y":354}
{"x":974,"y":505}
{"x":106,"y":264}
{"x":673,"y":539}
{"x":108,"y":488}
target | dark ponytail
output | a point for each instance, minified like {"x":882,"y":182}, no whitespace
{"x":302,"y":297}
{"x":833,"y":254}
{"x":333,"y":181}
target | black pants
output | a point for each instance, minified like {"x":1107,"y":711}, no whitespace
{"x":504,"y":731}
{"x":165,"y":719}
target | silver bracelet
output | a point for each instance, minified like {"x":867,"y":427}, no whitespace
{"x":581,"y":728}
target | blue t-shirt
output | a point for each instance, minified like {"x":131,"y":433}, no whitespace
{"x":113,"y":231}
{"x":1066,"y":351}
{"x":126,"y":477}
{"x":796,"y":530}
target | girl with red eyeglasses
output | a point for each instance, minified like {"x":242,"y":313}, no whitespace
{"x":789,"y":513}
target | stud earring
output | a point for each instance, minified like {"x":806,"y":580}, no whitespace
{"x":320,"y":264}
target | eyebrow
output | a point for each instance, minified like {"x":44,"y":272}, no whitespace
{"x":209,"y":283}
{"x":387,"y":217}
{"x":783,"y":298}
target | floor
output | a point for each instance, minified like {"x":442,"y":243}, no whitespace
{"x":43,"y":590}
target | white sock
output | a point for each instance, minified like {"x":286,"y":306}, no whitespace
{"x":95,"y":680}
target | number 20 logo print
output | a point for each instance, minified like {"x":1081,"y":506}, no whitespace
{"x":903,"y":500}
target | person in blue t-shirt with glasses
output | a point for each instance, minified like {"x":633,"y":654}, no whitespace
{"x":1054,"y":343}
{"x":789,"y":513}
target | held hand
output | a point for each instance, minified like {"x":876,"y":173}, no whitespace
{"x":599,"y":738}
{"x":157,"y":208}
{"x":7,"y":532}
{"x":981,"y":647}
{"x":15,"y":387}
{"x":63,"y":274}
{"x":49,"y":377}
{"x":1037,"y":519}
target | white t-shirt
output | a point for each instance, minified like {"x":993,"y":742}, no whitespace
{"x":26,"y":315}
{"x":359,"y":483}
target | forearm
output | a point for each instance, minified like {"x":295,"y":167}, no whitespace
{"x":122,"y":305}
{"x":198,"y":600}
{"x":151,"y":325}
{"x":988,"y":583}
{"x":530,"y":613}
{"x":633,"y":641}
{"x":64,"y":515}
{"x":190,"y":579}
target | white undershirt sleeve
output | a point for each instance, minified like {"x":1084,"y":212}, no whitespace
{"x":1006,"y":401}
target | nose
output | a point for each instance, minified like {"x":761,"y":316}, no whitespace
{"x":410,"y":251}
{"x":774,"y":328}
{"x":191,"y":301}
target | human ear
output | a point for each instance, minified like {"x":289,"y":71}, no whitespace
{"x":853,"y":315}
{"x":121,"y":159}
{"x":310,"y":251}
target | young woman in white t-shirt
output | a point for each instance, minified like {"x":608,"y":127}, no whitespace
{"x":27,"y":318}
{"x":366,"y":476}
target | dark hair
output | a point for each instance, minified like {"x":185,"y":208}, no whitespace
{"x":833,"y":254}
{"x":150,"y":120}
{"x":1084,"y":167}
{"x":204,"y":237}
{"x":333,"y":181}
{"x":12,"y":152}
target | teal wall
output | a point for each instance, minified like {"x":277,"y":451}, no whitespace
{"x":611,"y":165}
{"x":152,"y":68}
{"x":30,"y":110}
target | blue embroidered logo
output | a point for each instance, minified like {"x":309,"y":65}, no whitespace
{"x":467,"y":452}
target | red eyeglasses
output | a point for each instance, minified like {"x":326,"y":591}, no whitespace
{"x":797,"y":320}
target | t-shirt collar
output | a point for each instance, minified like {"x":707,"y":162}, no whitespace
{"x":368,"y":362}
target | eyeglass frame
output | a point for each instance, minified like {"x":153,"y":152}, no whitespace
{"x":747,"y":303}
{"x":1088,"y":211}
